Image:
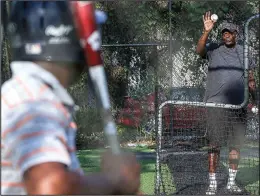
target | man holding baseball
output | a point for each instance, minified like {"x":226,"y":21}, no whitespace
{"x":225,"y":85}
{"x":38,"y":132}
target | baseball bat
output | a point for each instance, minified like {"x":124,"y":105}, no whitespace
{"x":90,"y":39}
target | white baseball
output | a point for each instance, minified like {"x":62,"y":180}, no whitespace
{"x":214,"y":17}
{"x":255,"y":110}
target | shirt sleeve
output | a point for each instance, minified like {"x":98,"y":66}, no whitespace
{"x":35,"y":134}
{"x":210,"y":47}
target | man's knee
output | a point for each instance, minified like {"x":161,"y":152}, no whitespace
{"x":234,"y":154}
{"x":214,"y":149}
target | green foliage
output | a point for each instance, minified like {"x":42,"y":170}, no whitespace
{"x":127,"y":134}
{"x":90,"y":129}
{"x":134,"y":70}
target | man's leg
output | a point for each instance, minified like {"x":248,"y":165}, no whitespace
{"x":213,"y":159}
{"x":234,"y":156}
{"x":236,"y":140}
{"x":215,"y":136}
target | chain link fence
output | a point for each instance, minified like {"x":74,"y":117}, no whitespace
{"x":149,"y":56}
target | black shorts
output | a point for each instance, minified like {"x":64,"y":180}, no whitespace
{"x":226,"y":127}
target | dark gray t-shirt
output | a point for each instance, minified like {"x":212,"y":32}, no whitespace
{"x":225,"y":80}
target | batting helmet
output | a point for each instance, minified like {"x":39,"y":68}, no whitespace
{"x":44,"y":31}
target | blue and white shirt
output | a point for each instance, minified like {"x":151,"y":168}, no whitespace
{"x":37,"y":125}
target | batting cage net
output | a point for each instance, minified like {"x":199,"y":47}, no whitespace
{"x":157,"y":85}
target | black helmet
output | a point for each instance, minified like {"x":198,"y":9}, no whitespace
{"x":44,"y":31}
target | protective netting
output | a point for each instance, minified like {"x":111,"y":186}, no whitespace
{"x":131,"y":85}
{"x":184,"y":154}
{"x":149,"y":56}
{"x":186,"y":131}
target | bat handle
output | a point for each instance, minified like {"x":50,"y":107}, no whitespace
{"x":110,"y":130}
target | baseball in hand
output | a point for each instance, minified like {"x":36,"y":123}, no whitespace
{"x":214,"y":17}
{"x":255,"y":110}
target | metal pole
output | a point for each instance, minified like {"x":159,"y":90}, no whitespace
{"x":158,"y":152}
{"x":134,"y":45}
{"x":159,"y":117}
{"x":246,"y":59}
{"x":156,"y":105}
{"x":158,"y":165}
{"x":170,"y":40}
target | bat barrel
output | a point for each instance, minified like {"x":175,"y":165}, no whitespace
{"x":84,"y":16}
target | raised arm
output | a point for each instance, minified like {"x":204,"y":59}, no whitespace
{"x":208,"y":26}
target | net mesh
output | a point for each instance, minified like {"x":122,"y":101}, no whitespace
{"x":184,"y":154}
{"x":149,"y":57}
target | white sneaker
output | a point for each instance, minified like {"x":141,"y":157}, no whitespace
{"x":212,"y":190}
{"x":233,"y":188}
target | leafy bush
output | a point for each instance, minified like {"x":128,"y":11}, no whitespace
{"x":90,"y":128}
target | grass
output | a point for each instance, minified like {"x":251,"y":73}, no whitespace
{"x":248,"y":174}
{"x":90,"y":162}
{"x":147,"y":176}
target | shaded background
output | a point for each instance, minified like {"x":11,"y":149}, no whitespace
{"x":149,"y":56}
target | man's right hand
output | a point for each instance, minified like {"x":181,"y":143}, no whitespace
{"x":120,"y":175}
{"x":208,"y":23}
{"x":123,"y":171}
